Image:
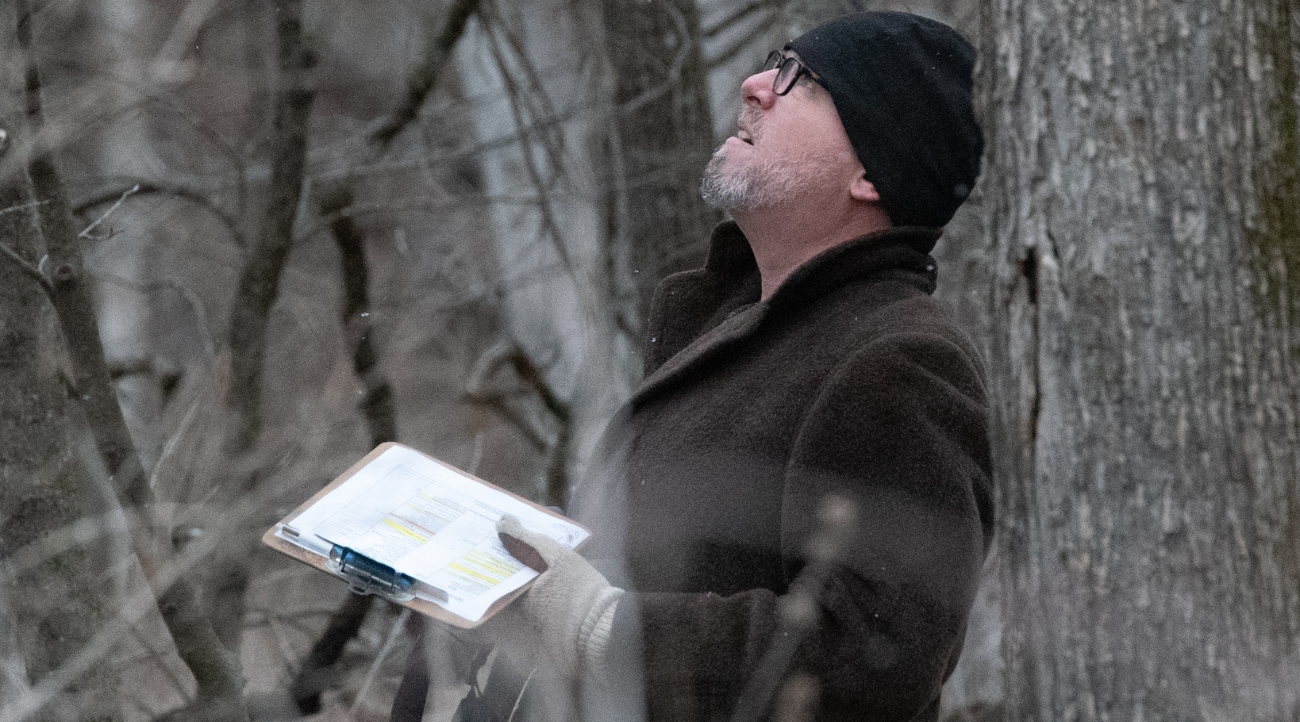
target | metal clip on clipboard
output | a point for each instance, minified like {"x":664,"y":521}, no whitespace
{"x":367,"y":576}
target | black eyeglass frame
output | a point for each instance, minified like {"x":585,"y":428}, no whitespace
{"x":789,"y":70}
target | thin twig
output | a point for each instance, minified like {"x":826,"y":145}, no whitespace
{"x":530,"y":162}
{"x":282,"y":641}
{"x":126,"y":194}
{"x":147,"y":187}
{"x":497,"y":403}
{"x":27,"y":267}
{"x":195,"y":303}
{"x":218,"y":139}
{"x":21,"y":207}
{"x":183,"y":33}
{"x":797,"y":611}
{"x":552,"y":139}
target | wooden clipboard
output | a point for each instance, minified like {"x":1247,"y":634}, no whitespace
{"x":425,"y":607}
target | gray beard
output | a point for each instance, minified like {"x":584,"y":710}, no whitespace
{"x":728,"y":191}
{"x":760,"y":185}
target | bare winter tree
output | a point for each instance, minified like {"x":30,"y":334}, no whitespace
{"x":1142,"y":194}
{"x":55,"y":508}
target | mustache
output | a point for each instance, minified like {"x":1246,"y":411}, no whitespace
{"x":751,"y":119}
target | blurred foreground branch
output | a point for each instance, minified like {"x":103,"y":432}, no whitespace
{"x":798,"y":613}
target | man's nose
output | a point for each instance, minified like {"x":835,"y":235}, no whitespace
{"x":757,"y":89}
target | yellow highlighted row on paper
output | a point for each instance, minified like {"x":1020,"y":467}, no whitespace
{"x":405,"y":530}
{"x":487,"y":569}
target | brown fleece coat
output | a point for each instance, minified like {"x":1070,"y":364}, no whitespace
{"x":849,"y":379}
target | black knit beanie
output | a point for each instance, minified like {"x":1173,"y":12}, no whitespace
{"x":902,"y":86}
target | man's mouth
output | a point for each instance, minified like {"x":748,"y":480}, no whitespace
{"x":745,"y":136}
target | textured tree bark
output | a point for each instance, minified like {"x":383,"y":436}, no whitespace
{"x":1142,"y":200}
{"x":662,"y":136}
{"x":60,"y":602}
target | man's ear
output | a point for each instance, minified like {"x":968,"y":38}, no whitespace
{"x":862,"y":189}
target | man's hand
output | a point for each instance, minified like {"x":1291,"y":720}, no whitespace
{"x":571,"y":604}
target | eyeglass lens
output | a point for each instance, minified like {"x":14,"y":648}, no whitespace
{"x":787,"y":74}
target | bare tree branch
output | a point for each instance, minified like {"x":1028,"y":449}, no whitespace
{"x":798,"y":609}
{"x":175,"y":190}
{"x":85,"y":233}
{"x":316,"y":673}
{"x":545,"y":117}
{"x":381,"y":418}
{"x":549,"y":223}
{"x":258,"y":287}
{"x":260,"y":280}
{"x":218,"y":140}
{"x":191,"y":298}
{"x":21,"y":206}
{"x":477,"y":390}
{"x":27,"y":267}
{"x":422,"y":82}
{"x":557,"y":459}
{"x":169,"y":575}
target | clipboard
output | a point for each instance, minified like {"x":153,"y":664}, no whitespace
{"x":367,"y":576}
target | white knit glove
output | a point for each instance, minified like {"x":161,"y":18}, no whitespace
{"x":571,"y":604}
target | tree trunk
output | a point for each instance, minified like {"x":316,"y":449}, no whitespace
{"x":662,"y":136}
{"x":1142,"y":200}
{"x":259,"y":283}
{"x":59,"y":597}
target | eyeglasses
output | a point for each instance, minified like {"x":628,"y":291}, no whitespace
{"x":789,"y":70}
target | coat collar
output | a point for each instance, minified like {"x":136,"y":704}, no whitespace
{"x":698,"y":313}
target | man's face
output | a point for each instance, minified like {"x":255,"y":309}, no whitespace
{"x":786,"y":148}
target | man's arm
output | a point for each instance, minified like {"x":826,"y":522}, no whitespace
{"x":899,"y":429}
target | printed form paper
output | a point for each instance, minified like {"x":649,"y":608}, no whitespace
{"x":428,"y":521}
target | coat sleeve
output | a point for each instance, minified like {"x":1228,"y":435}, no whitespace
{"x":899,"y":429}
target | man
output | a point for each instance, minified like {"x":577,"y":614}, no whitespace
{"x":805,"y":361}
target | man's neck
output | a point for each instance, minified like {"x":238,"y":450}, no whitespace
{"x":786,"y":237}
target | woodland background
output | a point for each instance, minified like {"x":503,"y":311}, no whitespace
{"x":245,"y":241}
